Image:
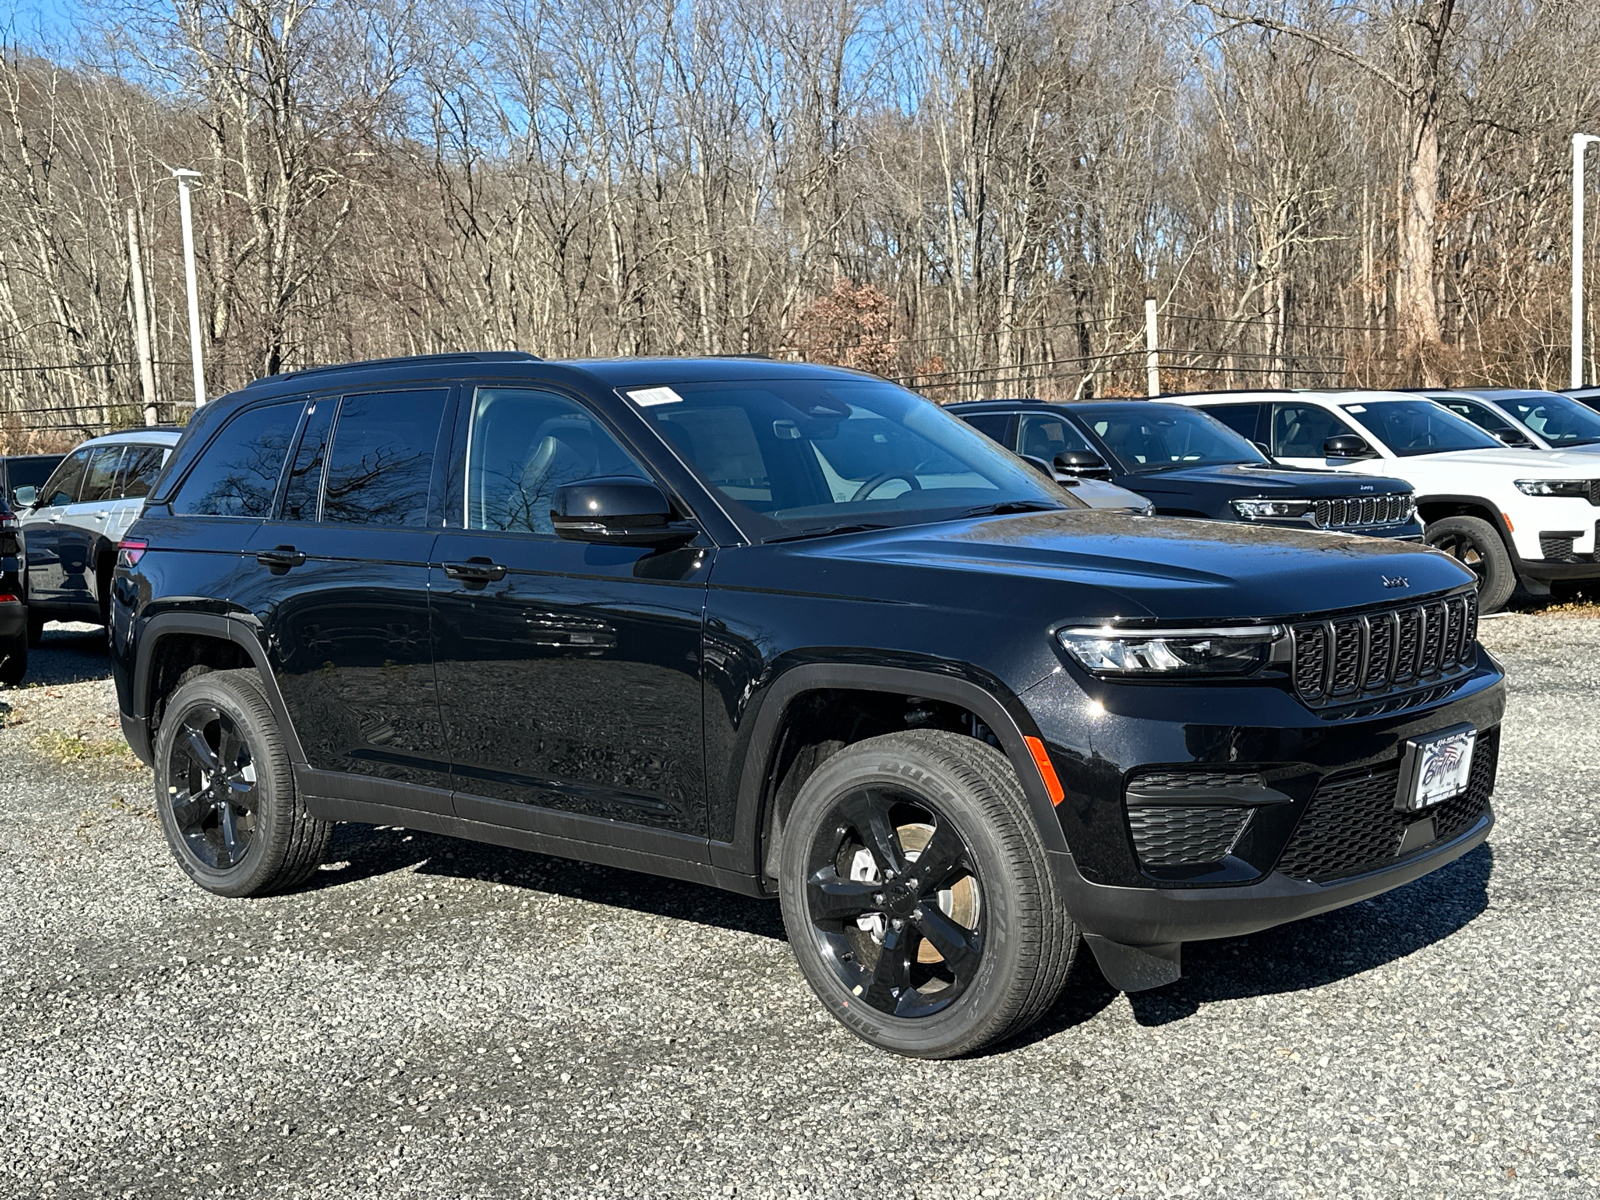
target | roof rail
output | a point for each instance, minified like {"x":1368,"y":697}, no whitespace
{"x":463,"y":356}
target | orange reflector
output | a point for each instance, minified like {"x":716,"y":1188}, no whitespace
{"x":1047,"y":769}
{"x":1510,"y":528}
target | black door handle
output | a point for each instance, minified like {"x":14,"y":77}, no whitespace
{"x":279,"y":560}
{"x":475,"y":570}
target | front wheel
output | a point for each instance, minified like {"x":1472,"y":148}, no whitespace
{"x":917,"y":896}
{"x":225,"y":791}
{"x":1476,"y":545}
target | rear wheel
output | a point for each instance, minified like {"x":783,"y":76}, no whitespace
{"x":1476,"y":545}
{"x":917,"y":896}
{"x":225,"y":791}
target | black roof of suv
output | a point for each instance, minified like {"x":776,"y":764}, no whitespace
{"x":793,"y":631}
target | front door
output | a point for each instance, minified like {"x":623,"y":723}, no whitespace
{"x":44,"y":531}
{"x":340,"y":581}
{"x":569,"y":674}
{"x":1299,"y":431}
{"x":82,"y":531}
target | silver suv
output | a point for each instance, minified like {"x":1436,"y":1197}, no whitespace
{"x":78,"y":517}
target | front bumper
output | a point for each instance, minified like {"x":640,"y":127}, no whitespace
{"x":1139,"y":916}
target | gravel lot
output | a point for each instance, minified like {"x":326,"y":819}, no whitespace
{"x":438,"y":1019}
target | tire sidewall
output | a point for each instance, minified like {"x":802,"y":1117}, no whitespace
{"x":273,"y":789}
{"x":1499,"y":579}
{"x":983,"y":1005}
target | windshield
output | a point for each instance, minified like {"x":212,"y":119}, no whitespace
{"x":797,"y":456}
{"x":1411,"y":427}
{"x":1157,"y":437}
{"x":1558,"y":420}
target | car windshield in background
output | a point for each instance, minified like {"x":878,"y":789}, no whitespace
{"x":1150,"y":437}
{"x":1410,"y":427}
{"x":814,"y":456}
{"x":1558,"y":420}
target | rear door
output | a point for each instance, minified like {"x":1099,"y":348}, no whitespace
{"x":569,"y":674}
{"x":339,"y":579}
{"x":42,"y":527}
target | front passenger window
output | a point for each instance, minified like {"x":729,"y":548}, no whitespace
{"x":522,"y":446}
{"x":64,"y":483}
{"x":100,"y":481}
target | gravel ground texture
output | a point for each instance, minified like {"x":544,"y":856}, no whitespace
{"x":432,"y":1018}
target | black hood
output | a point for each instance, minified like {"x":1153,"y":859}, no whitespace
{"x":1239,"y":480}
{"x":1091,"y":564}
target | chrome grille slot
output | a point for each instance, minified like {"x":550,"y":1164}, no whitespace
{"x":1349,"y":512}
{"x":1360,"y":660}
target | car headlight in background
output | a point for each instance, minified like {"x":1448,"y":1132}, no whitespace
{"x":1556,"y":487}
{"x":1274,"y":510}
{"x":1108,"y":650}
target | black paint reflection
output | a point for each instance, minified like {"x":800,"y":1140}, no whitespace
{"x":238,"y":474}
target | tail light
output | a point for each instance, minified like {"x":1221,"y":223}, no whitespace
{"x":130,"y":551}
{"x":8,"y":598}
{"x":8,"y":520}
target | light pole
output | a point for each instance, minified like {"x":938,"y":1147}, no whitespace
{"x":1580,"y":143}
{"x":186,"y":213}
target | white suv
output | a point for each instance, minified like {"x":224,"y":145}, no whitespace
{"x":1510,"y":514}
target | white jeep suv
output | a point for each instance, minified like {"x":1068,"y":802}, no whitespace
{"x":1510,"y":514}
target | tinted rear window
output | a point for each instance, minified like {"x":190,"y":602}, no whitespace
{"x":381,"y":461}
{"x":238,"y":472}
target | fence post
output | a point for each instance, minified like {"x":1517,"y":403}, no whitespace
{"x":141,"y":324}
{"x":1152,"y":356}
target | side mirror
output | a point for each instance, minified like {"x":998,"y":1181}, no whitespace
{"x":1039,"y":465}
{"x":1266,"y":451}
{"x":24,"y":495}
{"x":1081,"y":462}
{"x":616,"y":510}
{"x":1347,"y":445}
{"x":1514,"y":437}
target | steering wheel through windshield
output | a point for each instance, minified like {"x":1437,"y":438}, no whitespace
{"x":881,"y":478}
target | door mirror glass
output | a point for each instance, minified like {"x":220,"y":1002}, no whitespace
{"x":1079,"y":462}
{"x":1347,"y":445}
{"x":616,"y":510}
{"x":24,"y":495}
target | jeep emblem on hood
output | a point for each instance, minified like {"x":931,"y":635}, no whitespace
{"x":1394,"y":581}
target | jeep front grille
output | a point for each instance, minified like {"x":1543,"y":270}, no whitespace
{"x":1351,"y":512}
{"x":1349,"y":659}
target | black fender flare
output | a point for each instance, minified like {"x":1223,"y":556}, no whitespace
{"x":1006,"y":717}
{"x":243,"y":630}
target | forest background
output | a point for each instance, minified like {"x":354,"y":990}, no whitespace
{"x":975,"y":198}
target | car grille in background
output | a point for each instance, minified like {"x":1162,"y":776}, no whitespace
{"x":1185,"y":835}
{"x":1372,"y":654}
{"x":1351,"y":511}
{"x":1352,"y":825}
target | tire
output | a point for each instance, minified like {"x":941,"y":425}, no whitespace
{"x":1477,"y":545}
{"x":259,"y":840}
{"x":13,"y":659}
{"x":1007,"y":941}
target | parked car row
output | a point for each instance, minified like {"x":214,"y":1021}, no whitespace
{"x":1505,"y":481}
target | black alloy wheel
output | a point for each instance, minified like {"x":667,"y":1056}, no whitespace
{"x":896,"y":908}
{"x":1476,"y":545}
{"x":917,"y":895}
{"x":225,"y":790}
{"x":211,"y":788}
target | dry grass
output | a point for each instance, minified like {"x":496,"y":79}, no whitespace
{"x":63,"y":747}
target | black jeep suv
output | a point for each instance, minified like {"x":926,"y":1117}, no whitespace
{"x":788,"y":630}
{"x":1189,"y":464}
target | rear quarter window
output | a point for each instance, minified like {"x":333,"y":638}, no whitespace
{"x":237,"y":474}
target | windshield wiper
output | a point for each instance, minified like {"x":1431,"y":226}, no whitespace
{"x":822,"y":531}
{"x":1006,"y":507}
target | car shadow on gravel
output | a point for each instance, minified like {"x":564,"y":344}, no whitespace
{"x":67,"y":654}
{"x":1327,"y":948}
{"x":365,"y":851}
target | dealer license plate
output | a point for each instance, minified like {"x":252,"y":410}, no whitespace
{"x":1436,"y":768}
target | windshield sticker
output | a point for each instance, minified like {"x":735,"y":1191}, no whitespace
{"x":1355,"y":408}
{"x":650,"y":397}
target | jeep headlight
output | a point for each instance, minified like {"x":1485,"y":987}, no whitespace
{"x":1555,"y":487}
{"x":1274,"y":510}
{"x":1228,"y":650}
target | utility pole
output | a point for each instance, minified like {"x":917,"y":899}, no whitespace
{"x":1152,"y":356}
{"x":186,"y":213}
{"x":141,"y":324}
{"x":1580,"y":143}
